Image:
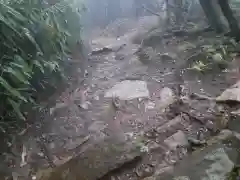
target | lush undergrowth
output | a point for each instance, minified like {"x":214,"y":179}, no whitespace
{"x":36,"y":39}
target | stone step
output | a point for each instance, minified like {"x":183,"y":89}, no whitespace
{"x":95,"y":162}
{"x":215,"y":161}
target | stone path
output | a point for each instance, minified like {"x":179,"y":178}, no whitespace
{"x":128,"y":120}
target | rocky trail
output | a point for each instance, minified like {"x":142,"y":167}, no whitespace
{"x":141,"y":113}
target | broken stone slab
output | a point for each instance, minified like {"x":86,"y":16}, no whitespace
{"x":106,"y":45}
{"x":95,"y":162}
{"x":230,"y":94}
{"x":128,"y":90}
{"x":179,"y":139}
{"x":167,"y":98}
{"x":213,"y":162}
{"x":101,"y":50}
{"x":167,"y":56}
{"x":170,"y":124}
{"x":234,"y":124}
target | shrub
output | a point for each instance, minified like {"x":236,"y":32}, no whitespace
{"x":34,"y":44}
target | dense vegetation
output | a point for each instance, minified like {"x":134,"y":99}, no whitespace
{"x":36,"y":37}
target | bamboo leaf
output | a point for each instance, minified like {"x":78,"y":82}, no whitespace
{"x":16,"y":65}
{"x":13,"y":92}
{"x":10,"y":10}
{"x":25,"y":67}
{"x":31,"y":38}
{"x":39,"y":65}
{"x":16,"y":108}
{"x":18,"y":75}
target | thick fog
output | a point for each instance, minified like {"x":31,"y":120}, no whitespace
{"x":102,"y":12}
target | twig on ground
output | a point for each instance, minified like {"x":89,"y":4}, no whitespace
{"x":193,"y":117}
{"x":150,"y":11}
{"x":193,"y":55}
{"x":201,"y":97}
{"x":152,"y":78}
{"x":79,"y":147}
{"x":46,"y":151}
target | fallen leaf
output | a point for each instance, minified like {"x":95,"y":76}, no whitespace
{"x":85,"y":105}
{"x":217,"y":57}
{"x":14,"y":176}
{"x":23,"y":156}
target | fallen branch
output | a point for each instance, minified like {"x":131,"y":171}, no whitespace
{"x":201,"y":97}
{"x":49,"y":157}
{"x":185,"y":33}
{"x":193,"y":117}
{"x":101,"y":50}
{"x":150,"y":11}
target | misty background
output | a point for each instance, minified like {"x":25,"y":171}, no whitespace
{"x":100,"y":13}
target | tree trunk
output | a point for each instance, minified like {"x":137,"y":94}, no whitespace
{"x":138,"y":8}
{"x":178,"y":11}
{"x":213,"y":14}
{"x":232,"y":21}
{"x":168,"y":13}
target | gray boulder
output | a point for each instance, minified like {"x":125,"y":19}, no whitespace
{"x":230,"y":94}
{"x":213,"y":162}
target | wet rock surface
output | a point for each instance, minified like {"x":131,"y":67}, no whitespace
{"x":96,"y":161}
{"x":231,"y":94}
{"x":213,"y":162}
{"x":178,"y":139}
{"x":127,"y":90}
{"x":134,"y":117}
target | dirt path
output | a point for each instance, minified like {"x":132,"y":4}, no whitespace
{"x":149,"y":115}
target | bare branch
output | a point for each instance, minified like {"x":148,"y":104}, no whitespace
{"x":151,"y":11}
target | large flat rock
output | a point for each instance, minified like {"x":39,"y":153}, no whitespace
{"x":213,"y":162}
{"x":231,"y":94}
{"x":128,"y":90}
{"x":110,"y":43}
{"x":95,"y":162}
{"x":179,"y":139}
{"x":167,"y":97}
